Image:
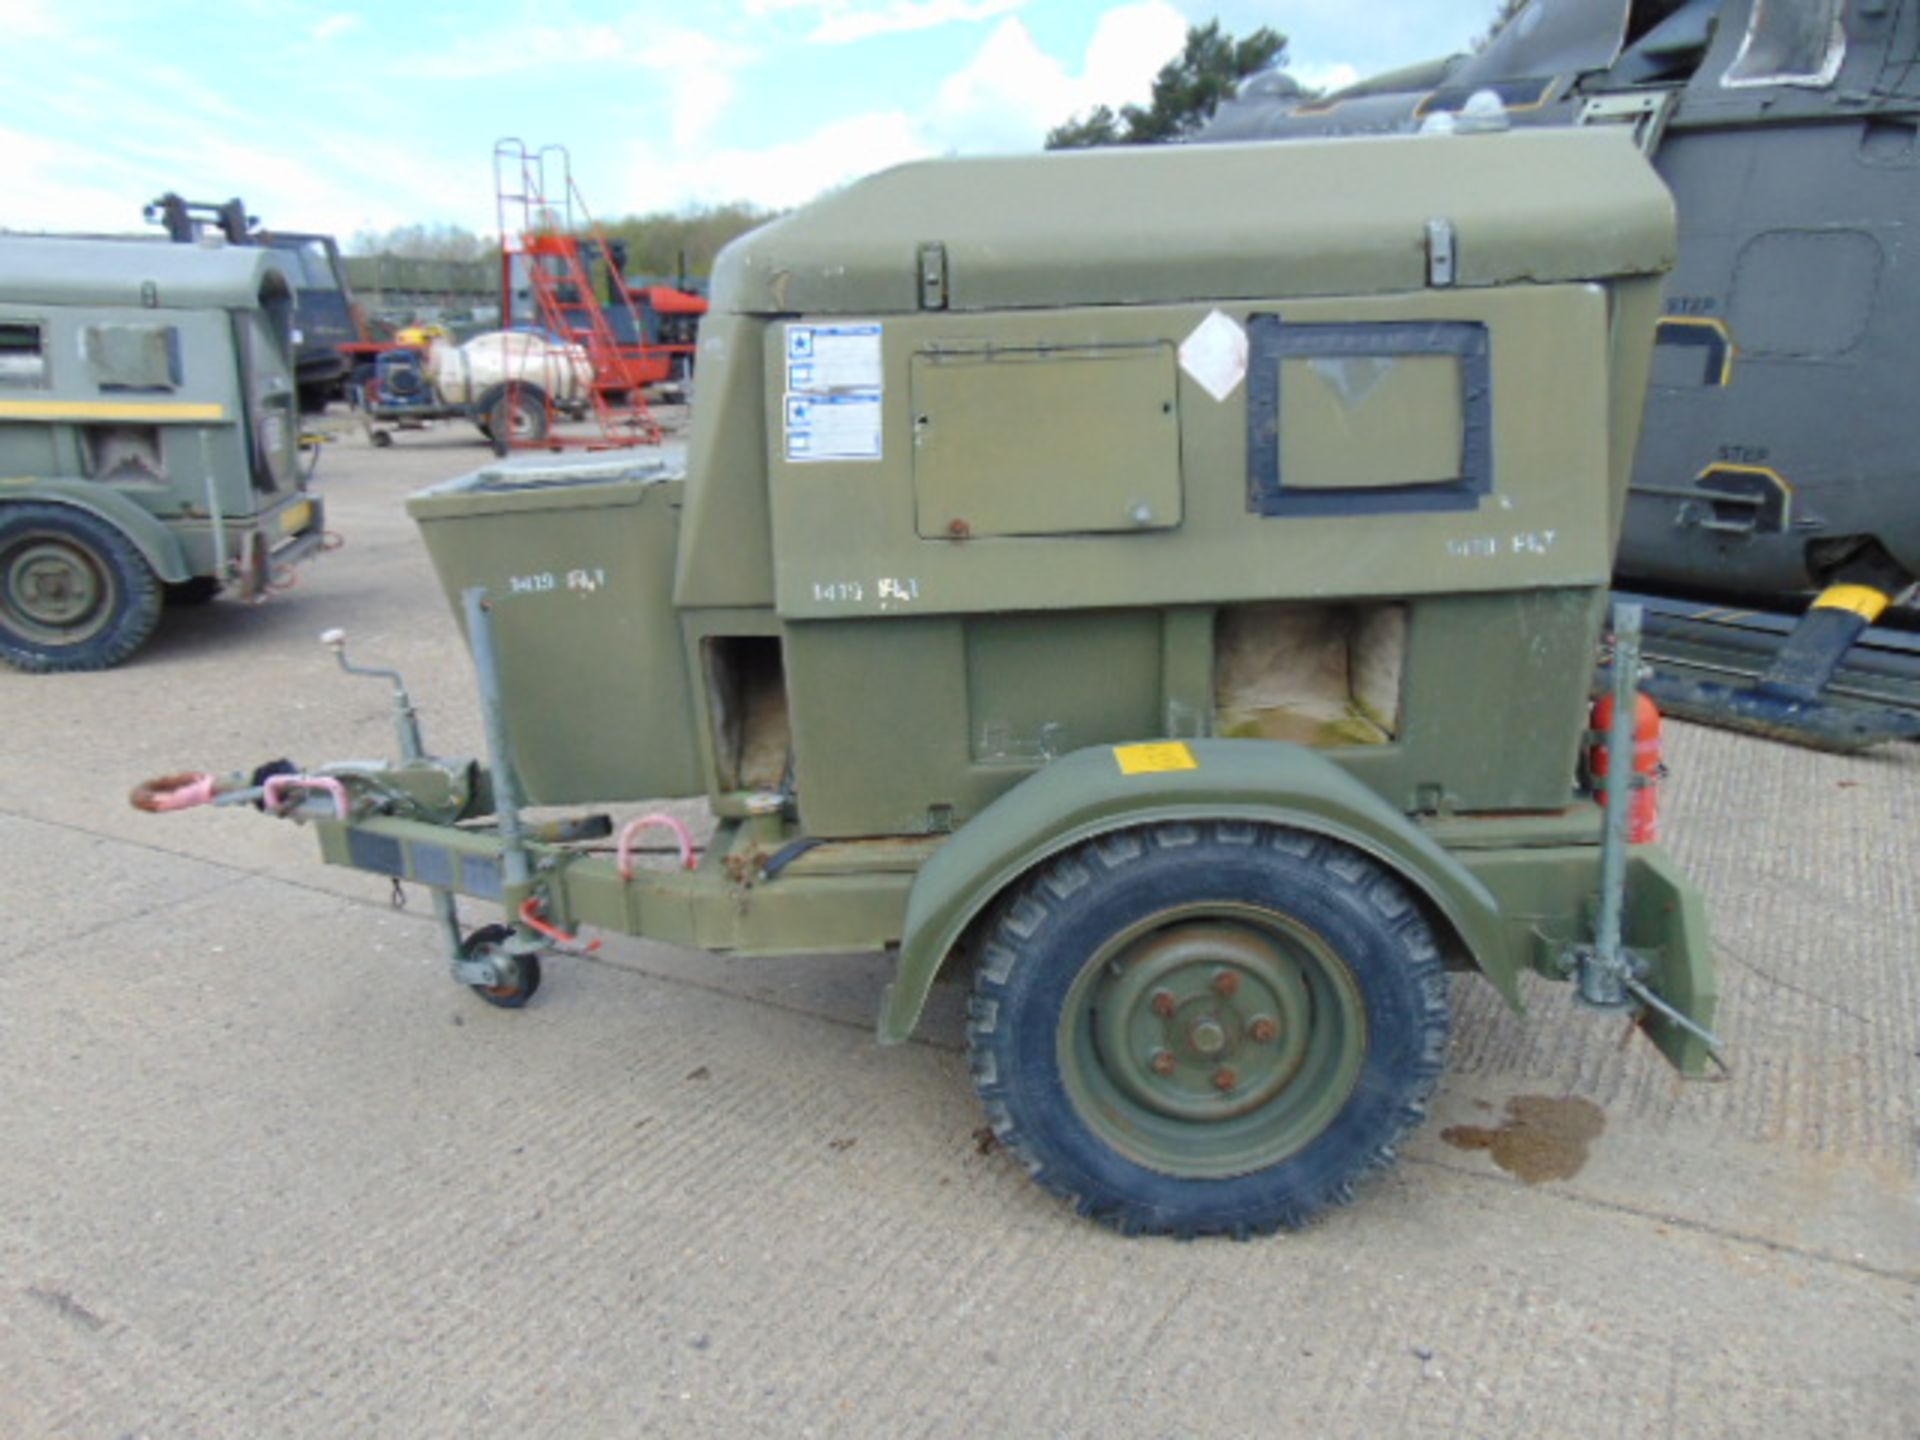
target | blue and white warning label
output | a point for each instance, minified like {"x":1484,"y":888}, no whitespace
{"x":833,"y":393}
{"x":844,"y":426}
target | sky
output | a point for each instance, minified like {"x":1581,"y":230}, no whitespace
{"x":354,"y":118}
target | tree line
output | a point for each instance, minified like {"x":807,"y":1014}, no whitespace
{"x":661,"y":245}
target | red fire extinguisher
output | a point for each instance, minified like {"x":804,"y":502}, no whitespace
{"x":1643,"y":819}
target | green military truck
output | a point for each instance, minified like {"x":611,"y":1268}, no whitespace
{"x":1161,"y":586}
{"x":149,"y":440}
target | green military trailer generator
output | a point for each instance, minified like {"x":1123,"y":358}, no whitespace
{"x":1161,"y":586}
{"x":149,"y":440}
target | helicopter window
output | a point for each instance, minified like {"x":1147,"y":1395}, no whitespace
{"x":1666,"y":42}
{"x":1798,"y":43}
{"x":1549,"y":37}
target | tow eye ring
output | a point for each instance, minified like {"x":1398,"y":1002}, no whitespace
{"x":173,"y":792}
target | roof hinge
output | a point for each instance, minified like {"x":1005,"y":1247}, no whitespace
{"x":933,"y":276}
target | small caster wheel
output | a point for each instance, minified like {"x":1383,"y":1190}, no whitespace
{"x":381,"y":439}
{"x":523,"y":970}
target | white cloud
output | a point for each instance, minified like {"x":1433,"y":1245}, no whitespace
{"x":789,"y":173}
{"x":516,"y":49}
{"x":1012,"y":92}
{"x":841,"y":22}
{"x":699,"y":73}
{"x":1129,"y":46}
{"x":26,"y":19}
{"x":1004,"y":98}
{"x":59,"y":184}
{"x":335,"y":26}
{"x":1324,"y":77}
{"x":905,"y":15}
{"x":176,"y":132}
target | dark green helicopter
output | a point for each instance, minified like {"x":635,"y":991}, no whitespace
{"x":1781,"y":448}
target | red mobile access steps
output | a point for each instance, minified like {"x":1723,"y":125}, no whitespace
{"x":548,"y":245}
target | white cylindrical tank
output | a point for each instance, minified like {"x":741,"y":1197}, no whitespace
{"x":462,"y":374}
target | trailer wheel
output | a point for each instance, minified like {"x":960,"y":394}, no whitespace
{"x":75,"y":594}
{"x":1216,"y":1028}
{"x":517,"y":416}
{"x":523,"y":970}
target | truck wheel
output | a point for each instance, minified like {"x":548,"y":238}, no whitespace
{"x":74,"y":592}
{"x":518,"y":416}
{"x":523,"y":970}
{"x":1217,"y":1028}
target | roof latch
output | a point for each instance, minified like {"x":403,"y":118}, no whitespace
{"x":933,"y":276}
{"x":1439,"y":252}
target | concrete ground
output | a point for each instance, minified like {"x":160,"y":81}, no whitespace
{"x":267,"y":1172}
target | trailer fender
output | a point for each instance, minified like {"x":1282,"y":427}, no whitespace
{"x":1092,"y":792}
{"x":156,"y":544}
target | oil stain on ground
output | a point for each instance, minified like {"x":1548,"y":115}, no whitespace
{"x":1541,"y":1139}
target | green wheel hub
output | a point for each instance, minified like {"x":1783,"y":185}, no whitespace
{"x":55,"y":590}
{"x":1212,"y":1040}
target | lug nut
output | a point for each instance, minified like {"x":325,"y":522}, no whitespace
{"x":1227,"y":983}
{"x":1224,"y":1079}
{"x":1263,"y":1029}
{"x":1164,"y":1003}
{"x":1162,"y":1062}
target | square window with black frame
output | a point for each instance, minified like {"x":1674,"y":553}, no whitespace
{"x":1352,"y":419}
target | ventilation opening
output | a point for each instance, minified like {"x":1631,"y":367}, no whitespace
{"x":747,"y":693}
{"x":1312,"y":674}
{"x":128,"y":454}
{"x":23,"y":356}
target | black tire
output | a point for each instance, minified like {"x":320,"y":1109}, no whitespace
{"x":195,"y":590}
{"x":1116,"y":1063}
{"x":525,"y":969}
{"x":75,"y":594}
{"x":517,"y":416}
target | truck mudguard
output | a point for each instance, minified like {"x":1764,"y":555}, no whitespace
{"x":1105,"y":788}
{"x":151,"y":538}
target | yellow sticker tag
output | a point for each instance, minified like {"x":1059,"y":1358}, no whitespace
{"x":1154,"y":759}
